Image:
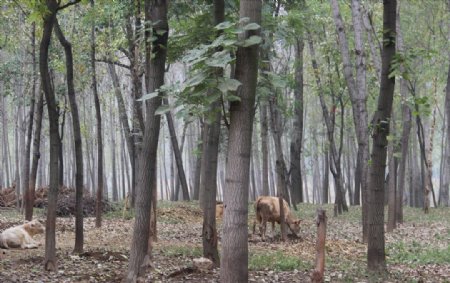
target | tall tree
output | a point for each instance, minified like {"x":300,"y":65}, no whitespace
{"x":49,"y":19}
{"x":77,"y":141}
{"x":376,"y":259}
{"x":234,"y":263}
{"x":156,"y":13}
{"x":209,"y":160}
{"x":98,"y":116}
{"x":29,"y":193}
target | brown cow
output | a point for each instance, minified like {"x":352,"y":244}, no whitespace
{"x":267,"y":209}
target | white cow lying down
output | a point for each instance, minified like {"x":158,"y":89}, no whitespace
{"x":21,"y":236}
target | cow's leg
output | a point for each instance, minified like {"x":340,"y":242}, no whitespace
{"x":264,"y":229}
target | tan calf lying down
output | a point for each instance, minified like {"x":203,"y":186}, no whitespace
{"x":267,"y":209}
{"x":21,"y":236}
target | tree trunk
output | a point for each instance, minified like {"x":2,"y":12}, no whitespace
{"x":77,"y":140}
{"x":98,"y":116}
{"x":392,"y":189}
{"x":406,"y":129}
{"x":126,"y":129}
{"x":198,"y":165}
{"x":29,"y":193}
{"x":156,"y":12}
{"x":49,"y":19}
{"x":209,"y":166}
{"x":234,"y":263}
{"x":376,"y":259}
{"x":321,"y":222}
{"x":177,"y":153}
{"x":445,"y":187}
{"x":264,"y":148}
{"x":358,"y":97}
{"x":115,"y":192}
{"x":296,"y":142}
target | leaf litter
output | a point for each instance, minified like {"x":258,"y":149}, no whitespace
{"x":106,"y":250}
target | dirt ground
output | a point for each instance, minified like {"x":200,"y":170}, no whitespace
{"x":179,"y":241}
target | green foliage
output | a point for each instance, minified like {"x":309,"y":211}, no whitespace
{"x":415,"y":254}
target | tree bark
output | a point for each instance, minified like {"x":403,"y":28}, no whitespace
{"x":55,"y":142}
{"x":321,"y":222}
{"x":264,"y":148}
{"x":29,"y":193}
{"x":156,"y":12}
{"x":234,"y":263}
{"x":376,"y":259}
{"x":77,"y":140}
{"x":445,"y":187}
{"x":177,"y":153}
{"x":209,"y":160}
{"x":98,"y":116}
{"x":296,"y":142}
{"x":406,"y":129}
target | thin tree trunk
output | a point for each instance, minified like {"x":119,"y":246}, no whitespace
{"x":264,"y":148}
{"x":178,"y":158}
{"x":29,"y":193}
{"x":406,"y":129}
{"x":77,"y":140}
{"x":445,"y":187}
{"x":98,"y":116}
{"x":113,"y":157}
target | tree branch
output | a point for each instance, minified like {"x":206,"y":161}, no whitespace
{"x":108,"y":61}
{"x":69,"y":4}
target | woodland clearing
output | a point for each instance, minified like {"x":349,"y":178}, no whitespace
{"x":417,"y":251}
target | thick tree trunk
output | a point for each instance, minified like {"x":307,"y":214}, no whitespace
{"x":55,"y":142}
{"x":156,"y":12}
{"x":376,"y":258}
{"x":234,"y":262}
{"x":77,"y":140}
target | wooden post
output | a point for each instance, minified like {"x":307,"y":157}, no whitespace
{"x":282,"y":218}
{"x":321,"y":221}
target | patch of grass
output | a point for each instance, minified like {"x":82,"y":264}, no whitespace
{"x":184,"y":251}
{"x":117,"y":211}
{"x":417,"y":254}
{"x":277,"y":261}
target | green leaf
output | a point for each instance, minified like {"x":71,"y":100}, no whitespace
{"x":224,"y":25}
{"x":232,"y":98}
{"x":219,"y":59}
{"x":163,"y":109}
{"x":252,"y":40}
{"x":228,"y":85}
{"x":252,"y":26}
{"x":148,"y":96}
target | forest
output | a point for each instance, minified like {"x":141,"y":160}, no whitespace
{"x":155,"y":140}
